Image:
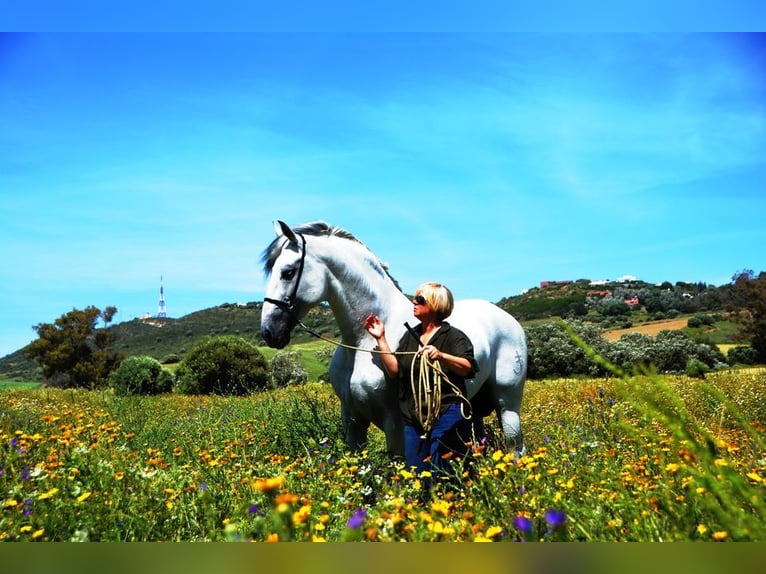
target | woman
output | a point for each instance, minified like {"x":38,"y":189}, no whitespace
{"x":448,"y":431}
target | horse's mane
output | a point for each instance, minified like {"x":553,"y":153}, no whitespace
{"x":316,"y":229}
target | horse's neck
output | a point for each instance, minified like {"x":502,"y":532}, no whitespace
{"x":358,"y":287}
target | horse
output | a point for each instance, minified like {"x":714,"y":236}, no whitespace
{"x":318,"y":263}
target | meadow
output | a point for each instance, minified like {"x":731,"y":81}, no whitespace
{"x":642,"y":458}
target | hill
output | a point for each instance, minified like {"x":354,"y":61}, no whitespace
{"x":168,"y":339}
{"x":617,"y":306}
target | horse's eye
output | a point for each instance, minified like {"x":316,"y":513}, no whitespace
{"x":288,"y":274}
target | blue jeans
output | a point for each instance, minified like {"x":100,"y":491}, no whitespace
{"x":450,"y":437}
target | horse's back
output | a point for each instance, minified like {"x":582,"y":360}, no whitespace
{"x":499,"y":342}
{"x":486,"y":324}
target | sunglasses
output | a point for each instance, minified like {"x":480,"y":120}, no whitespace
{"x":419,"y":300}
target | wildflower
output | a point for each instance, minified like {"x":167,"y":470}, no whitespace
{"x":555,"y":518}
{"x":672,"y":467}
{"x":493,"y":531}
{"x":84,"y":496}
{"x":273,"y":537}
{"x":268,"y":484}
{"x":119,"y":475}
{"x":357,"y":519}
{"x":301,"y":515}
{"x":49,"y":494}
{"x":38,"y":533}
{"x":720,"y":535}
{"x":523,"y":523}
{"x":701,"y":529}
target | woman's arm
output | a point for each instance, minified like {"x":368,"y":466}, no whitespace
{"x":377,"y":330}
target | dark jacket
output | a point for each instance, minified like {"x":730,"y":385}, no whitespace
{"x":447,"y":339}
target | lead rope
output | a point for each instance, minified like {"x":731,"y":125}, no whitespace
{"x":426,"y":388}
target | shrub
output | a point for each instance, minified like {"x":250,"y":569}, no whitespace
{"x":286,"y":368}
{"x":696,"y":368}
{"x":222,"y":365}
{"x":140,"y":375}
{"x":744,"y":355}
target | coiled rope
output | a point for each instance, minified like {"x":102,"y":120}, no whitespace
{"x":426,"y":387}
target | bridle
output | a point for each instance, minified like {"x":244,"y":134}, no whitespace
{"x":288,"y":303}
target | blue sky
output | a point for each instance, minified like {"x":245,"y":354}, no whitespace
{"x":487,"y":161}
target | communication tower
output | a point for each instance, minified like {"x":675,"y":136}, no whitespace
{"x":161,"y":311}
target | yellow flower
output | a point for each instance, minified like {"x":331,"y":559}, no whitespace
{"x":268,"y":484}
{"x":720,"y":535}
{"x":301,"y":515}
{"x":49,"y":494}
{"x":721,"y":462}
{"x":38,"y":533}
{"x":25,"y":529}
{"x":10,"y":502}
{"x":119,"y":475}
{"x":84,"y":496}
{"x":273,"y":537}
{"x":701,"y":529}
{"x":672,"y":467}
{"x":315,"y":538}
{"x":493,"y":531}
{"x":406,"y":474}
{"x":440,"y":507}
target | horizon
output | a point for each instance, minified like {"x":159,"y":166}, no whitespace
{"x":486,"y":161}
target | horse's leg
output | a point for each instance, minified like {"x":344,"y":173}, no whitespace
{"x":394,"y":431}
{"x":510,"y":423}
{"x":354,"y":429}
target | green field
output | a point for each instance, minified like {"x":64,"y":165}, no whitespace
{"x":645,"y":459}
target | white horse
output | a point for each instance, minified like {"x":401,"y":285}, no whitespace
{"x":316,"y":262}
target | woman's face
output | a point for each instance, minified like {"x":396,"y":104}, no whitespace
{"x":420,"y":306}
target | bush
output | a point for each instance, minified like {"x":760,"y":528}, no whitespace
{"x":696,"y":368}
{"x":745,"y":355}
{"x":286,"y":368}
{"x":700,"y":321}
{"x":222,"y":365}
{"x":140,"y":375}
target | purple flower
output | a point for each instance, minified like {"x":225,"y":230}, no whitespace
{"x":555,"y":518}
{"x":523,"y":523}
{"x":254,"y":510}
{"x":357,"y":519}
{"x":203,"y":487}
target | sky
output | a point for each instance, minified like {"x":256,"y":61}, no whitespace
{"x":487,"y":161}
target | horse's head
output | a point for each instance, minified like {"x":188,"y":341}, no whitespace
{"x":296,"y":284}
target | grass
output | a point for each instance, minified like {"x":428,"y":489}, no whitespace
{"x":634,"y":459}
{"x":4,"y":385}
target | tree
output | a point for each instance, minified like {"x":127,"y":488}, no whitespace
{"x":750,"y":295}
{"x":72,"y":351}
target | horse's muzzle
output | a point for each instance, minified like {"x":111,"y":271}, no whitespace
{"x":273,"y":340}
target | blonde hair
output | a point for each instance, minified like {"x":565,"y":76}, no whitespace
{"x":438,"y":298}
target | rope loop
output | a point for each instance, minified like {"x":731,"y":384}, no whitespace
{"x":426,"y":387}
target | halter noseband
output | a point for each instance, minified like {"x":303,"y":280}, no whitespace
{"x":288,"y":303}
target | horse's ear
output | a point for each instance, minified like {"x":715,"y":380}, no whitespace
{"x":285,"y":230}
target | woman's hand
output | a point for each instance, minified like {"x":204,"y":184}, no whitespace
{"x":431,"y":352}
{"x":375,"y":327}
